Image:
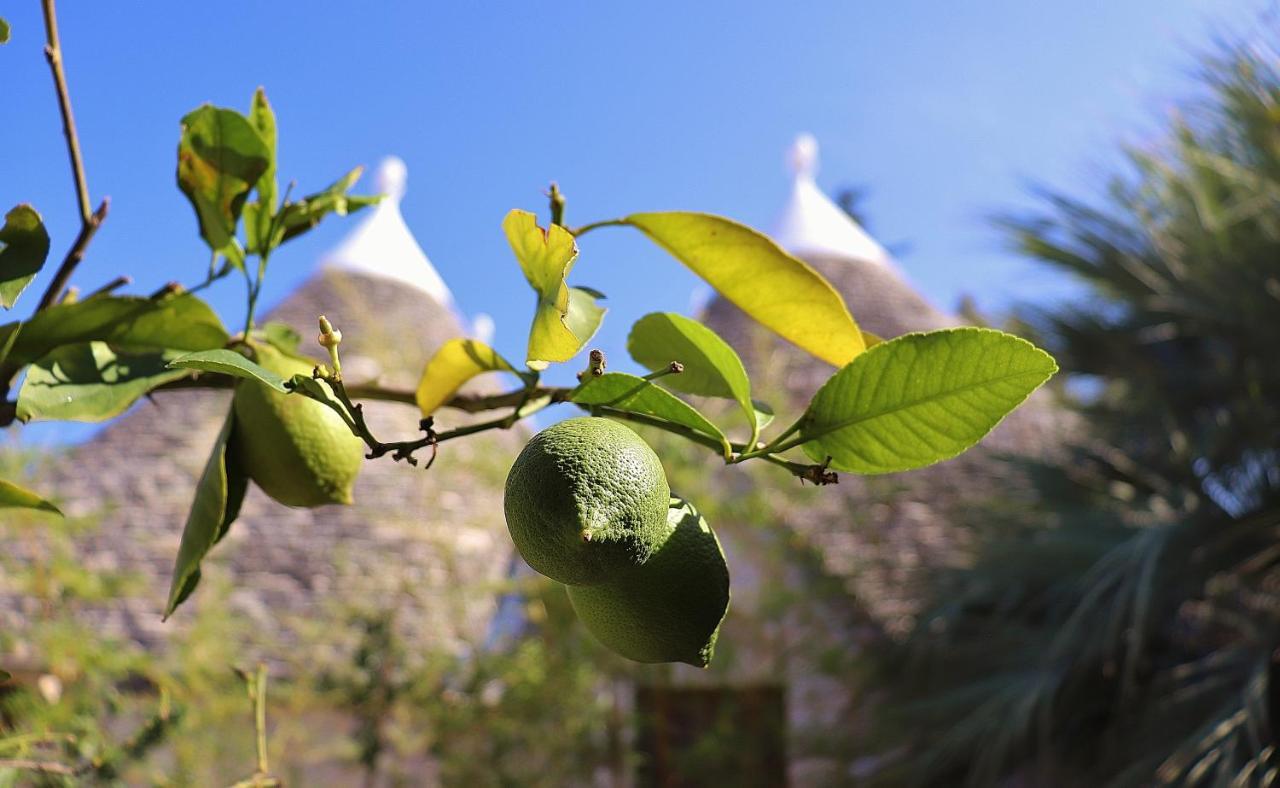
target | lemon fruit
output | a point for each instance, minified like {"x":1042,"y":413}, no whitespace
{"x":297,"y":450}
{"x":669,"y":609}
{"x":586,"y":499}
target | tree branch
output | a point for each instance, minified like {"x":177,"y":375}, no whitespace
{"x":53,"y":54}
{"x":74,"y":256}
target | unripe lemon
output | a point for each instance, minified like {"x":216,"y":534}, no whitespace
{"x":669,"y":609}
{"x":298,"y":451}
{"x":586,"y":499}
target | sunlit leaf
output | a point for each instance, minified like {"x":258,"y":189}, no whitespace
{"x":921,"y":398}
{"x":297,"y":217}
{"x":564,"y":318}
{"x":711,"y":367}
{"x":24,"y":245}
{"x":263,"y":119}
{"x":456,"y":362}
{"x":215,"y":506}
{"x":632,"y":394}
{"x":14,"y":497}
{"x":585,"y":313}
{"x":229,"y":362}
{"x":870,"y":339}
{"x":750,"y":270}
{"x":174,"y":322}
{"x":90,"y":382}
{"x":221,"y":156}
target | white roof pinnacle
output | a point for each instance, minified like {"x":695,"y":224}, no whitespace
{"x":811,"y":223}
{"x":381,"y":243}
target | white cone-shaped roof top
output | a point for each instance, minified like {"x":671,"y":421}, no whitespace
{"x":381,"y":244}
{"x":811,"y":224}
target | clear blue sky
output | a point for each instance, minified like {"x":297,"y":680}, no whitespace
{"x":944,"y":111}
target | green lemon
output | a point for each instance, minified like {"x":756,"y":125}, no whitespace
{"x":669,"y":609}
{"x":586,"y":499}
{"x":298,"y":451}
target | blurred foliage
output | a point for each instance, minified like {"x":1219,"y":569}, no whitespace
{"x":1125,"y":632}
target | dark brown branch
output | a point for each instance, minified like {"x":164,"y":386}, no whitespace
{"x":53,"y":54}
{"x":467,"y":403}
{"x":74,"y":256}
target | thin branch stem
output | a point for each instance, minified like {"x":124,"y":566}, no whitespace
{"x":586,"y":228}
{"x":556,"y":198}
{"x":53,"y":54}
{"x":775,"y":446}
{"x":260,"y":716}
{"x":467,"y":403}
{"x":74,"y":256}
{"x":44,"y":767}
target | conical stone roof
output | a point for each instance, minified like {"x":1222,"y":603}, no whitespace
{"x":876,"y":530}
{"x":419,"y":542}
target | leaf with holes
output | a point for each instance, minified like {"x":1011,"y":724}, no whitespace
{"x":24,"y":245}
{"x":620,"y":391}
{"x":777,"y":290}
{"x":921,"y":398}
{"x":215,"y":506}
{"x":564,"y":318}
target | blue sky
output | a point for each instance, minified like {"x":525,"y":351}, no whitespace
{"x":943,"y":111}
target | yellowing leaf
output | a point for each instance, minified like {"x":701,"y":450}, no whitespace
{"x":777,"y":290}
{"x":870,"y":339}
{"x":456,"y":362}
{"x":546,"y":257}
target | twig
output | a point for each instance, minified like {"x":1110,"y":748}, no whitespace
{"x":45,"y":767}
{"x":74,"y":256}
{"x":586,"y":228}
{"x":467,"y":403}
{"x":90,"y":220}
{"x":112,"y":286}
{"x":53,"y":54}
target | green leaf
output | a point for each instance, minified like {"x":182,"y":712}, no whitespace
{"x":171,"y":322}
{"x":263,"y":120}
{"x":750,"y":270}
{"x":14,"y":497}
{"x":585,"y":313}
{"x":632,"y":394}
{"x":24,"y":245}
{"x":215,"y":506}
{"x":303,"y":215}
{"x":4,"y":39}
{"x":282,"y":337}
{"x":221,"y":156}
{"x":763,"y":413}
{"x":711,"y":367}
{"x":564,"y":318}
{"x":456,"y":362}
{"x":921,"y":398}
{"x":229,"y":362}
{"x":4,"y":674}
{"x":90,"y":382}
